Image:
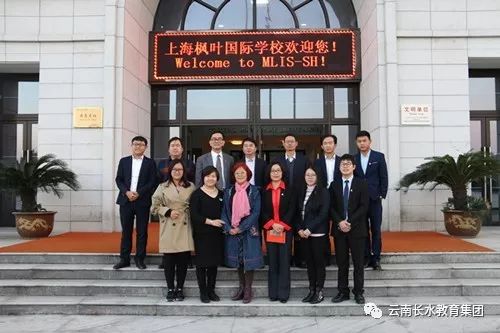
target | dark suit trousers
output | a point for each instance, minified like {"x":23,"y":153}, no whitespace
{"x":279,"y":268}
{"x":374,"y":241}
{"x":344,"y":243}
{"x":314,"y":249}
{"x":299,"y":257}
{"x":127,"y":214}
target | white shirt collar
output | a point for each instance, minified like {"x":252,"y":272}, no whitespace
{"x":138,"y":158}
{"x":294,"y":156}
{"x":330,"y":158}
{"x":367,"y":154}
{"x":251,"y":161}
{"x":214,"y":154}
{"x":349,"y":179}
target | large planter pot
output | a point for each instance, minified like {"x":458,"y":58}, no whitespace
{"x":461,"y":223}
{"x":34,"y":224}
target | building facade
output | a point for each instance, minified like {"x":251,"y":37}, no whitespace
{"x":57,"y":55}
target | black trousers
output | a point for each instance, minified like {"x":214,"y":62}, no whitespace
{"x":175,"y":265}
{"x":373,"y":245}
{"x":344,"y":243}
{"x":299,"y":255}
{"x":128,"y":212}
{"x":206,"y":277}
{"x":279,"y":268}
{"x":314,"y":249}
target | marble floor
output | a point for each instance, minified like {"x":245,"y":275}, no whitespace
{"x":58,"y":323}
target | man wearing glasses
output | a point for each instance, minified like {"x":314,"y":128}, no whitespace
{"x":349,"y":205}
{"x":221,"y":161}
{"x":136,"y":179}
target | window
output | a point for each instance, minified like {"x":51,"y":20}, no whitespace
{"x":206,"y":104}
{"x":254,"y":14}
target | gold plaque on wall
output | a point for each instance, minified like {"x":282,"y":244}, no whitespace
{"x":87,"y":117}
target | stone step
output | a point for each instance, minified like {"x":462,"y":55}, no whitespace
{"x":373,"y":288}
{"x":154,"y":259}
{"x":106,"y":272}
{"x":129,"y":305}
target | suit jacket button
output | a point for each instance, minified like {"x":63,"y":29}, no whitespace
{"x":173,"y":224}
{"x":185,"y":223}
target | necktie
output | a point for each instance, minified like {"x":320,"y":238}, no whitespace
{"x":346,"y":197}
{"x":218,"y":166}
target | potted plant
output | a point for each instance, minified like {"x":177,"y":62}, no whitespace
{"x":463,"y":214}
{"x":26,"y":178}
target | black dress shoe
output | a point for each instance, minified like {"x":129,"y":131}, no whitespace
{"x":170,"y":295}
{"x":161,"y":266}
{"x":121,"y":264}
{"x":283,"y":301}
{"x":318,"y":297}
{"x":273,"y":299}
{"x":140,"y":264}
{"x":359,"y":298}
{"x":340,"y":298}
{"x":300,"y":265}
{"x":376,"y":266}
{"x":204,"y":297}
{"x":213,"y":296}
{"x":309,"y":296}
{"x":179,"y":295}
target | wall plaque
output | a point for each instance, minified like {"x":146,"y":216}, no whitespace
{"x":416,"y":114}
{"x":87,"y":117}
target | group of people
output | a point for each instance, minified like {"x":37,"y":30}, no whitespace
{"x":225,"y":211}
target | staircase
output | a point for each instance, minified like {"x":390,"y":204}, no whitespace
{"x":86,"y":284}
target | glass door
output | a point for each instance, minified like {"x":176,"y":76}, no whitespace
{"x":18,"y":130}
{"x":485,"y":137}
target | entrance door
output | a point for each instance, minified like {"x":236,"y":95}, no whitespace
{"x":18,"y":130}
{"x":485,"y":137}
{"x":263,"y":112}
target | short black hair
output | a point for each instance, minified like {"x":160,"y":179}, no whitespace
{"x":348,"y":157}
{"x":329,"y":136}
{"x":215,"y":132}
{"x":249,"y":140}
{"x":140,"y":138}
{"x":289,"y":134}
{"x":175,"y":138}
{"x":208,"y":170}
{"x":363,"y":133}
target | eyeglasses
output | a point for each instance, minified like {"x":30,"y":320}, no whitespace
{"x":178,"y":169}
{"x":346,"y":164}
{"x":138,"y":144}
{"x":216,"y":139}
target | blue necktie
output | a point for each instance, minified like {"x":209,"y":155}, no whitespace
{"x":346,"y":197}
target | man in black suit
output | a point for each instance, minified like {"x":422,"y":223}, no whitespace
{"x":255,"y":164}
{"x":296,"y":165}
{"x":328,"y":166}
{"x":372,"y":168}
{"x":136,"y":179}
{"x":349,"y":206}
{"x":175,"y":150}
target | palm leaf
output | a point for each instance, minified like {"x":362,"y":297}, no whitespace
{"x":45,"y":173}
{"x":456,"y":174}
